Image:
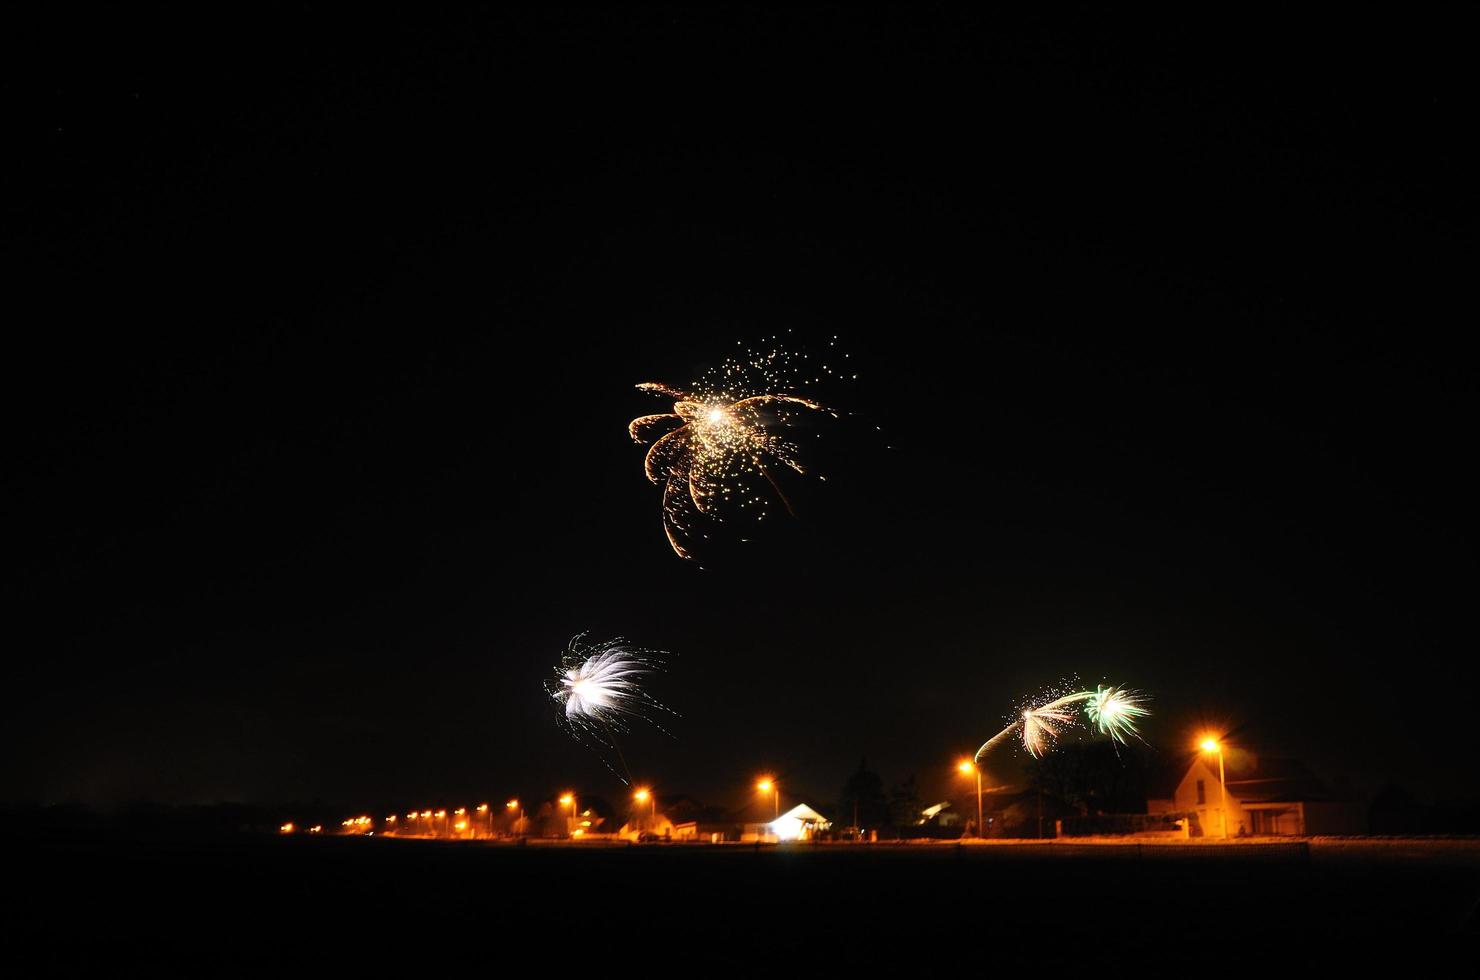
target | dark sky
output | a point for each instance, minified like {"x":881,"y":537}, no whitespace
{"x":328,"y":328}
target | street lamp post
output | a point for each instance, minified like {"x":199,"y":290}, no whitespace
{"x":966,"y":766}
{"x":569,"y":799}
{"x":645,"y":795}
{"x":513,"y":805}
{"x":769,"y":785}
{"x":1213,"y":745}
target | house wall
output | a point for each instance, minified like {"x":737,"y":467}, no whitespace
{"x":1207,"y":811}
{"x":1280,"y":818}
{"x":1302,"y":817}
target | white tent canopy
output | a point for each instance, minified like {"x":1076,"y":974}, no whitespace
{"x":797,"y":822}
{"x":803,"y":813}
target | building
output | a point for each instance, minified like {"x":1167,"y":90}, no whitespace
{"x":801,"y":822}
{"x":1266,"y":797}
{"x":644,"y":827}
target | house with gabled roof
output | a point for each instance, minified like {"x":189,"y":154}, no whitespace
{"x":1265,"y":797}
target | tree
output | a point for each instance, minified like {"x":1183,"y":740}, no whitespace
{"x":904,"y":807}
{"x":1098,"y":777}
{"x":862,"y":800}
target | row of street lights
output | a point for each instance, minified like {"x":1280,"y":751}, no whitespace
{"x":425,"y":823}
{"x":461,"y":822}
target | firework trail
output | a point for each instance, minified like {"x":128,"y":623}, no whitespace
{"x":725,"y":438}
{"x":1111,"y":711}
{"x":599,"y":689}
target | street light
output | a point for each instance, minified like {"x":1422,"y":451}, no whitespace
{"x":569,"y":799}
{"x":483,"y":808}
{"x":967,"y":766}
{"x":1212,"y":745}
{"x":512,"y":806}
{"x":645,"y":795}
{"x":769,"y":785}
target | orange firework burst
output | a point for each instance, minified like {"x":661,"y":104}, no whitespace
{"x":720,"y":444}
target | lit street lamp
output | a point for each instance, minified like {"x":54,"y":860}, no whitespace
{"x":966,"y":766}
{"x":1212,"y":745}
{"x":645,"y":795}
{"x":569,"y":799}
{"x":513,"y":806}
{"x":769,"y":785}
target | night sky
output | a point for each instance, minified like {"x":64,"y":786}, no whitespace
{"x":324,"y":332}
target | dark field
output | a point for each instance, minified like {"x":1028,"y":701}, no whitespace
{"x":365,"y":906}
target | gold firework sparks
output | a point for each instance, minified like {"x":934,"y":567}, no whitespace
{"x":1041,"y":728}
{"x":720,"y":446}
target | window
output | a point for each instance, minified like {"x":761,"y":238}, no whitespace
{"x":1202,"y":796}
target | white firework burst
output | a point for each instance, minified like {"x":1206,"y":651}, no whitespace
{"x":599,"y":687}
{"x":1114,"y":710}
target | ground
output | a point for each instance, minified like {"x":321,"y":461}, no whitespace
{"x":339,"y":905}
